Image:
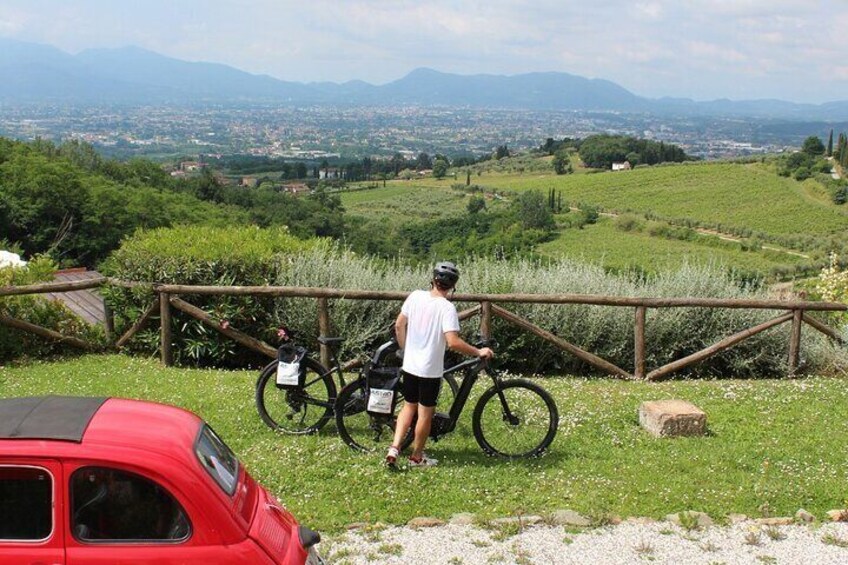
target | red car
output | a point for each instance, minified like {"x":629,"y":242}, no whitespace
{"x":108,"y":480}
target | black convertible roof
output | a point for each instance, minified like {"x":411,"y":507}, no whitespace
{"x":47,"y":417}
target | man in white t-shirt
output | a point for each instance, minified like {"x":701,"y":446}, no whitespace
{"x":427,"y":324}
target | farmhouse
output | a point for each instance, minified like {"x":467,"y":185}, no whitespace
{"x":296,"y":188}
{"x":625,"y":166}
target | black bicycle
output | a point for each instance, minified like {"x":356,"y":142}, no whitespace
{"x":513,"y":418}
{"x":306,"y":407}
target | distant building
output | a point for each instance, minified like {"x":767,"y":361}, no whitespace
{"x":296,"y":188}
{"x":625,"y":166}
{"x":191,"y":166}
{"x":249,"y":182}
{"x":329,"y":174}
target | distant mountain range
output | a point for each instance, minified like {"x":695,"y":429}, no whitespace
{"x":34,"y":73}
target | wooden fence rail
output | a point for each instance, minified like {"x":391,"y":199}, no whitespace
{"x":487,"y":306}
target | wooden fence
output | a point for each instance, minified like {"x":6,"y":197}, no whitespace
{"x":486,"y":306}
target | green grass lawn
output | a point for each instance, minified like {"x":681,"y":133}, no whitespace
{"x":604,"y":244}
{"x":779,"y":443}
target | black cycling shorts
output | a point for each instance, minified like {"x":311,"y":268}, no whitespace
{"x":421,"y":390}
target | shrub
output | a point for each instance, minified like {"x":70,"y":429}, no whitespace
{"x":629,"y":222}
{"x":37,"y":309}
{"x":832,"y":286}
{"x":606,"y":331}
{"x":202,"y":256}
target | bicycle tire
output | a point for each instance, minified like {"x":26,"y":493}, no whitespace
{"x":302,"y":410}
{"x":360,"y":430}
{"x":367,"y":433}
{"x":528,"y":429}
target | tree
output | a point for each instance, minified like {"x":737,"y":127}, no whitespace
{"x":830,"y":144}
{"x":813,"y":146}
{"x":501,"y":151}
{"x":440,"y":168}
{"x":532,"y":211}
{"x":423,"y":162}
{"x":468,"y":177}
{"x":476,"y":204}
{"x":562,"y":163}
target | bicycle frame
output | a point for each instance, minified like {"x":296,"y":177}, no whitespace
{"x":472,"y":368}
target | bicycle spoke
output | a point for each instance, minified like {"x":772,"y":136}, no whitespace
{"x":519,"y":420}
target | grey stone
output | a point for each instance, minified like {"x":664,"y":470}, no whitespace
{"x":672,"y":418}
{"x":462,"y":519}
{"x":776,"y":521}
{"x":804,"y":516}
{"x":425,"y":522}
{"x":639,"y":520}
{"x":519,"y":520}
{"x":702,"y":519}
{"x":569,"y":518}
{"x":736,"y":518}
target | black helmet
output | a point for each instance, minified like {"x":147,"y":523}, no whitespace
{"x":445,"y":274}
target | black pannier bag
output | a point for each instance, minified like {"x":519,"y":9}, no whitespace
{"x":291,"y":372}
{"x":382,"y":380}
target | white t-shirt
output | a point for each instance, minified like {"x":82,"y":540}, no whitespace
{"x":429,"y":317}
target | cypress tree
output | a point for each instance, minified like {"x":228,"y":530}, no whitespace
{"x":830,"y":144}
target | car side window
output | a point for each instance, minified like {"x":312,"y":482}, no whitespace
{"x":27,"y":494}
{"x":218,"y":460}
{"x":114,"y":505}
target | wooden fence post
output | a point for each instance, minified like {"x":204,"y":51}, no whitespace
{"x":324,"y":329}
{"x":165,"y":329}
{"x":486,"y":320}
{"x":108,"y":324}
{"x":639,"y":343}
{"x":795,"y":341}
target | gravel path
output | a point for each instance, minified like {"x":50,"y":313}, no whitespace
{"x":657,"y":543}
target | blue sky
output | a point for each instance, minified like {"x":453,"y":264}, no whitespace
{"x":703,"y":49}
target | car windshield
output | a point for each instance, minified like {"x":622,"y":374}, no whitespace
{"x":218,"y":460}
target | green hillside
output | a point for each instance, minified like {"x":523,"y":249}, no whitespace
{"x":785,"y":228}
{"x":404,"y":201}
{"x":733,"y":195}
{"x":604,"y":243}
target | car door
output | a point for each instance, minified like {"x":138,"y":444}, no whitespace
{"x":31,"y":512}
{"x":121,"y":516}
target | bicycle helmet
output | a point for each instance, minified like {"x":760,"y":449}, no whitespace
{"x":445,"y":274}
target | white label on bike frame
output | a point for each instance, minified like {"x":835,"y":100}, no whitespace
{"x":288,"y":374}
{"x":380,"y":400}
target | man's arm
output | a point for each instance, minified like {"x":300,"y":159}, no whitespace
{"x":459,"y":345}
{"x":400,"y":329}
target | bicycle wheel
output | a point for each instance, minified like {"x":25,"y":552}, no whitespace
{"x":301,"y":410}
{"x":359,"y":429}
{"x":515,"y":419}
{"x":368,"y":433}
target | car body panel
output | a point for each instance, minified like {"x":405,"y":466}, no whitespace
{"x":155,"y":442}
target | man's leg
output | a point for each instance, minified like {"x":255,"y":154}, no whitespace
{"x":428,"y":396}
{"x":422,"y":429}
{"x":404,"y":421}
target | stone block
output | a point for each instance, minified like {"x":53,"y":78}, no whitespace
{"x":804,"y":517}
{"x":672,"y":418}
{"x":462,"y":519}
{"x":569,"y":518}
{"x":425,"y":522}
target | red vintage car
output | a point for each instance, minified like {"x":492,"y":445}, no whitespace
{"x":108,"y":480}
